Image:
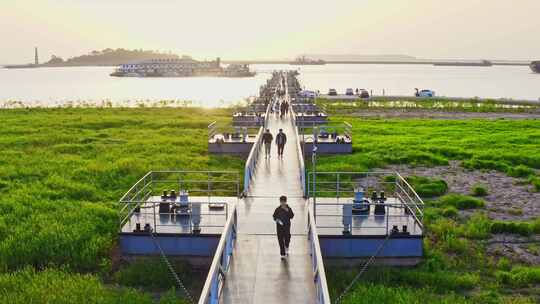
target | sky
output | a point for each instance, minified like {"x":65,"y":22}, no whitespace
{"x":278,"y":29}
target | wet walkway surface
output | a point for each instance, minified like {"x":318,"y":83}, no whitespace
{"x":257,"y":274}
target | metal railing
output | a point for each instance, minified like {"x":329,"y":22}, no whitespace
{"x":198,"y":183}
{"x":306,"y":129}
{"x":343,"y":184}
{"x":251,"y":162}
{"x":199,"y":218}
{"x":332,"y":219}
{"x":319,"y":275}
{"x":300,"y":152}
{"x":216,"y":128}
{"x":220,"y":264}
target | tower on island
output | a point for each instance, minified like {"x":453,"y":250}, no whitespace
{"x":36,"y":58}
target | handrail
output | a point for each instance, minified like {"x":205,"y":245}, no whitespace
{"x":300,"y":154}
{"x":267,"y":115}
{"x":145,"y":187}
{"x":251,"y":162}
{"x":402,"y":190}
{"x":135,"y":185}
{"x":221,"y":261}
{"x":319,"y":275}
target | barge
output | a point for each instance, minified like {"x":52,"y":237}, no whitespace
{"x":182,"y":67}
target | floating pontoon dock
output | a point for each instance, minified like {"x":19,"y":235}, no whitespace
{"x":340,"y":217}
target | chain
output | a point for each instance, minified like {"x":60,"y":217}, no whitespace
{"x":171,"y":269}
{"x":363,"y":269}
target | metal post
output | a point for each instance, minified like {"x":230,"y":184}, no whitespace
{"x":209,"y":187}
{"x":154,"y":208}
{"x":179,"y":183}
{"x":387,"y":217}
{"x":314,"y":163}
{"x":337,"y":187}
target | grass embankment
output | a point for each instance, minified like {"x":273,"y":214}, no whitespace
{"x":456,"y":267}
{"x":62,"y":172}
{"x":428,"y":104}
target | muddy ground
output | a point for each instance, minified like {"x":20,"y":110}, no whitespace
{"x":509,"y":199}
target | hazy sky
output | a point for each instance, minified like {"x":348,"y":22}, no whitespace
{"x":233,"y":29}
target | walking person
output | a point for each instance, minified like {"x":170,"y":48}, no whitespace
{"x":282,"y":216}
{"x":281,"y":140}
{"x":267,"y":140}
{"x":283,"y":109}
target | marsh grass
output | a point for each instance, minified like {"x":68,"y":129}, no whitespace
{"x":430,"y":104}
{"x":455,"y":268}
{"x":426,"y":187}
{"x":479,"y":190}
{"x":508,"y":146}
{"x":62,"y":172}
{"x":59,"y":286}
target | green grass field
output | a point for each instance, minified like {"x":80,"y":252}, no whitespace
{"x":456,"y":268}
{"x":509,"y":146}
{"x":62,"y":172}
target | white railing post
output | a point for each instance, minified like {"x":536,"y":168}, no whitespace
{"x":220,"y":261}
{"x":319,"y":275}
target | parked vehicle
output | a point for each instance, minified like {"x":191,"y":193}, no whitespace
{"x":308,"y":94}
{"x":332,"y":92}
{"x":424,"y":93}
{"x":364,"y":93}
{"x":349,"y":92}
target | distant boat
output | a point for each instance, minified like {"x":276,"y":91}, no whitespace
{"x":535,"y":66}
{"x":306,"y":61}
{"x":484,"y":63}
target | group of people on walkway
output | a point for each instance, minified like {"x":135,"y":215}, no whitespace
{"x":281,"y":108}
{"x":281,"y":140}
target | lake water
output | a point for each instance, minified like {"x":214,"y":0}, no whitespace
{"x":93,"y":85}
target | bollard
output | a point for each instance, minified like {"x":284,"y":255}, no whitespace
{"x":196,"y":217}
{"x":347,"y":219}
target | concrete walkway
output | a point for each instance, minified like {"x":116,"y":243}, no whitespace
{"x":257,"y":274}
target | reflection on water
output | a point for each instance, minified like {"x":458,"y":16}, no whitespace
{"x":92,"y":86}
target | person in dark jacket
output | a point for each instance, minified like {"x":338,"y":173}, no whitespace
{"x":267,"y":140}
{"x":281,"y":140}
{"x":282,"y":216}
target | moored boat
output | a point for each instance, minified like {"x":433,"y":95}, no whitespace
{"x":535,"y":66}
{"x":182,"y":67}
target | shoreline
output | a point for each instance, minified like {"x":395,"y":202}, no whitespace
{"x":457,"y":63}
{"x":390,"y":98}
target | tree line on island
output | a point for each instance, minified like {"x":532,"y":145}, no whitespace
{"x":110,"y":57}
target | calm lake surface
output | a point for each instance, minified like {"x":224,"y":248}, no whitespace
{"x":93,"y":85}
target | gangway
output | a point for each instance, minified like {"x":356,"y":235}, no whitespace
{"x":253,"y":272}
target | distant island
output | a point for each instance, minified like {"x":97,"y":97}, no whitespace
{"x":361,"y":57}
{"x":106,"y":57}
{"x":119,"y":57}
